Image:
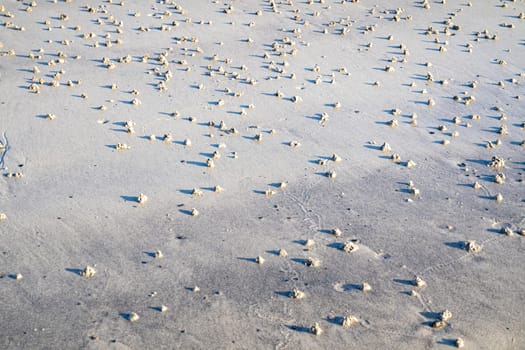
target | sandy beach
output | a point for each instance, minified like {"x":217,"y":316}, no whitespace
{"x":262,"y":174}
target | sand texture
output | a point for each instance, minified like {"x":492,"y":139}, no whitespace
{"x":262,"y":174}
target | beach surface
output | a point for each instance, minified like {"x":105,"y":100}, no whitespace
{"x":262,"y":174}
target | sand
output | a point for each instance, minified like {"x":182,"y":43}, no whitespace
{"x":205,"y":109}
